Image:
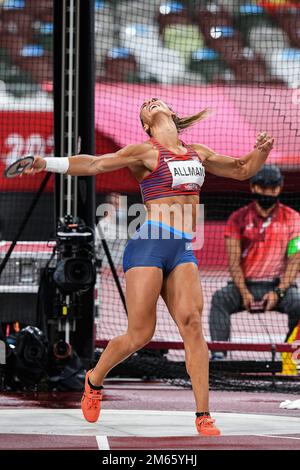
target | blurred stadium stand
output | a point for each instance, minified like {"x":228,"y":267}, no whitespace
{"x":236,"y":37}
{"x":26,"y":44}
{"x":163,"y":42}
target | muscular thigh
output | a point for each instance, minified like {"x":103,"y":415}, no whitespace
{"x":182,"y":292}
{"x":143,"y":286}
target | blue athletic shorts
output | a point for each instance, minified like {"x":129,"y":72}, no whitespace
{"x":158,"y":244}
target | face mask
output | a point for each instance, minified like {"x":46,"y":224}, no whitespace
{"x":264,"y":201}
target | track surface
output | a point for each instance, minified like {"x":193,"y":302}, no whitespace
{"x":149,"y":416}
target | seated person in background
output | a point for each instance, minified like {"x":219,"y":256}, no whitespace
{"x":263,"y":246}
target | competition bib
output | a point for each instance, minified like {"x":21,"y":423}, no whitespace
{"x":187,"y":175}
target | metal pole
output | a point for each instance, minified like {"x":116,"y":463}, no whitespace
{"x":74,"y":123}
{"x":86,"y":210}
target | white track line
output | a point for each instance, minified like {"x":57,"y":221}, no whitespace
{"x":277,"y":437}
{"x":102,"y":442}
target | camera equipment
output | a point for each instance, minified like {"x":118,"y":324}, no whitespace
{"x":27,"y":357}
{"x":64,"y":284}
{"x":69,"y":275}
{"x":62,"y":350}
{"x":75,"y":270}
{"x":66,"y":371}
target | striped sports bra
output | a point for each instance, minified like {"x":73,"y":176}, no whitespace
{"x":174,"y":175}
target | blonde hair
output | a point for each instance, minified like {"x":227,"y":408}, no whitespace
{"x":185,"y":122}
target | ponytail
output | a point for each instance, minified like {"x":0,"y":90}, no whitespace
{"x":185,"y":122}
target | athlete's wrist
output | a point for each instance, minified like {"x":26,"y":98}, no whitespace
{"x":57,"y":164}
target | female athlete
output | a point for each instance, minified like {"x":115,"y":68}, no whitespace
{"x":158,"y":259}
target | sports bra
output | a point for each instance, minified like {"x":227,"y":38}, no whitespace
{"x":174,"y":175}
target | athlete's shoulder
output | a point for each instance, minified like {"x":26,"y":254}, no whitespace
{"x":203,"y":151}
{"x":135,"y":150}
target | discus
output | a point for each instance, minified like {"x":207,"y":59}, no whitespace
{"x":18,"y":167}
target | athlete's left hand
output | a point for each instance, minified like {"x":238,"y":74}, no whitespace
{"x":39,"y":164}
{"x":264,"y":142}
{"x":271,"y":298}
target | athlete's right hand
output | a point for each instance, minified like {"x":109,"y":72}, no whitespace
{"x":264,"y":142}
{"x":247,"y":299}
{"x":39,"y":164}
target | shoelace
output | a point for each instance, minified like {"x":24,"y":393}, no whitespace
{"x":206,"y":421}
{"x":93,"y":398}
{"x":93,"y":403}
{"x":93,"y":395}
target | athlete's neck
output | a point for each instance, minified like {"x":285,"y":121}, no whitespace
{"x":165,"y":132}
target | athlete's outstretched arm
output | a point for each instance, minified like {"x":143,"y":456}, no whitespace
{"x":88,"y":165}
{"x":237,"y":168}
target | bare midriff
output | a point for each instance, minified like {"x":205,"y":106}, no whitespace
{"x":179,"y":212}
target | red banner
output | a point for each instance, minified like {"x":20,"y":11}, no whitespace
{"x":31,"y":132}
{"x":22,"y":133}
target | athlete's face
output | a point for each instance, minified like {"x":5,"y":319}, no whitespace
{"x":151,"y":108}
